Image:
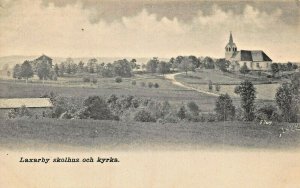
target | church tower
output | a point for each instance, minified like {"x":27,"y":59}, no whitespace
{"x":230,"y":48}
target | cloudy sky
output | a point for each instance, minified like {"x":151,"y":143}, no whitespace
{"x":131,"y":28}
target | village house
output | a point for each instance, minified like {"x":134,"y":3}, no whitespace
{"x":256,"y":60}
{"x":37,"y":106}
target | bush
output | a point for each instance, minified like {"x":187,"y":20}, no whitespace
{"x":150,"y":84}
{"x":118,"y":79}
{"x":210,"y":86}
{"x":224,"y":107}
{"x":181,"y":112}
{"x":94,"y":80}
{"x":19,"y":112}
{"x":211,"y":117}
{"x":86,"y":79}
{"x":156,"y":85}
{"x":143,"y":84}
{"x":218,"y":87}
{"x":133,"y":82}
{"x":268,"y":112}
{"x":96,"y":108}
{"x":193,"y":108}
{"x":144,"y":116}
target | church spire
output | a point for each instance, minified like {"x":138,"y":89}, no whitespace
{"x":230,"y":38}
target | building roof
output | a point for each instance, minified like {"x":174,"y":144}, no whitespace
{"x":230,"y":42}
{"x":250,"y":55}
{"x":28,"y":102}
{"x":44,"y":57}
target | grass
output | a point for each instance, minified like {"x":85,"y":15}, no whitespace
{"x":49,"y":133}
{"x":75,"y":87}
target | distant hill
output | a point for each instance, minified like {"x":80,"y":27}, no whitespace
{"x":11,"y":61}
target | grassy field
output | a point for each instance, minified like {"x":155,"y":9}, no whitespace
{"x":200,"y":80}
{"x":113,"y":135}
{"x":75,"y":87}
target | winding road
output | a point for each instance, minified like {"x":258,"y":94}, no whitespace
{"x":171,"y":77}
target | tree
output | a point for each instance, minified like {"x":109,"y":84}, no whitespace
{"x":133,"y":64}
{"x":26,"y":70}
{"x":43,"y":70}
{"x":223,"y":64}
{"x":91,"y":65}
{"x":274,"y":68}
{"x":289,"y":66}
{"x":285,"y":100}
{"x":244,"y":69}
{"x":80,"y":66}
{"x":224,"y":107}
{"x":193,"y":108}
{"x":186,"y":65}
{"x":96,"y":108}
{"x":17,"y":72}
{"x":181,"y":112}
{"x":62,"y":68}
{"x":173,"y":63}
{"x":247,"y":92}
{"x":208,"y":63}
{"x":56,"y":69}
{"x":195,"y":61}
{"x":144,"y":116}
{"x":122,"y":68}
{"x":108,"y":70}
{"x":163,"y":67}
{"x":152,"y":65}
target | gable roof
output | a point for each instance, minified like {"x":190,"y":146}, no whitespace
{"x":44,"y":57}
{"x":28,"y":102}
{"x":248,"y":55}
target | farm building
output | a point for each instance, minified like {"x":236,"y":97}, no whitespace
{"x":254,"y":59}
{"x":37,"y":106}
{"x":44,"y":59}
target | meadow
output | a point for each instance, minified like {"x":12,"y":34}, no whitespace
{"x":75,"y":87}
{"x":114,"y":135}
{"x":227,"y":83}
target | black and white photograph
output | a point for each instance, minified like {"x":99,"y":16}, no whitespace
{"x":135,"y":87}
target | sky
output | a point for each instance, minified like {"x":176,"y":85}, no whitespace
{"x":131,"y":28}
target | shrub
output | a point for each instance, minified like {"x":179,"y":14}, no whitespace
{"x":218,"y":87}
{"x":171,"y":118}
{"x":268,"y":112}
{"x":224,"y":107}
{"x":150,"y":84}
{"x":94,"y":80}
{"x":86,"y":79}
{"x":144,"y":116}
{"x":23,"y":111}
{"x":156,"y":85}
{"x":96,"y":108}
{"x":118,"y":79}
{"x":211,"y":117}
{"x":133,"y":82}
{"x":210,"y":86}
{"x":181,"y":112}
{"x":143,"y":84}
{"x":193,"y":108}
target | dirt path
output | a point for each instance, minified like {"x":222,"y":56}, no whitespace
{"x":171,"y":77}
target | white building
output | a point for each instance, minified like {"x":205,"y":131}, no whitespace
{"x":254,"y":59}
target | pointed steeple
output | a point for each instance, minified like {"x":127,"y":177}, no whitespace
{"x":230,"y":38}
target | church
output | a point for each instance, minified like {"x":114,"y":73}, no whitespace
{"x":254,"y":59}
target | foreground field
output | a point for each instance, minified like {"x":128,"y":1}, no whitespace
{"x":113,"y":135}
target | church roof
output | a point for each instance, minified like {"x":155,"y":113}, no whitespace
{"x":250,"y":55}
